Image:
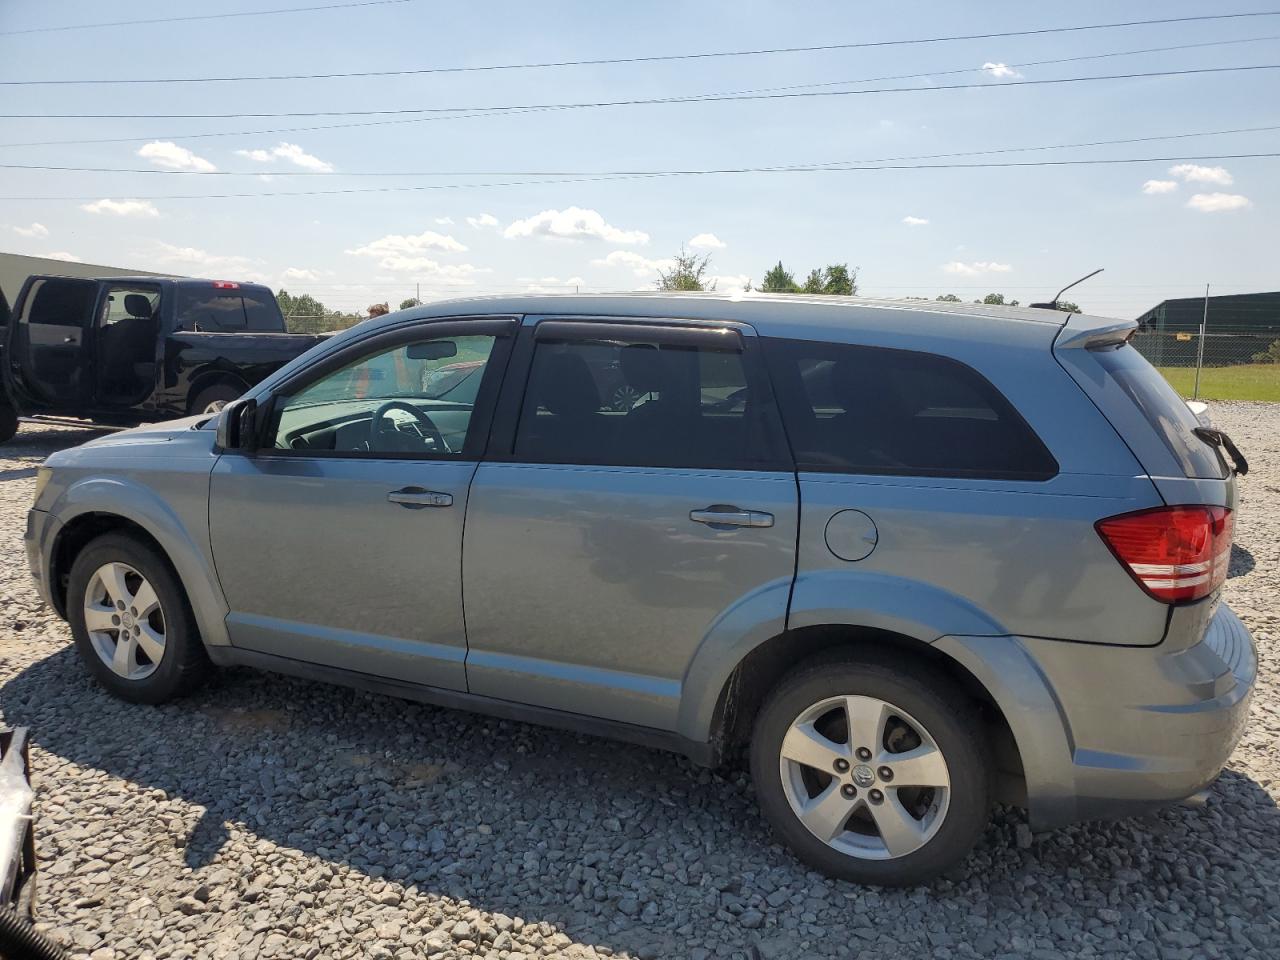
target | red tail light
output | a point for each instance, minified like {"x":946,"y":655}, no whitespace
{"x":1176,"y":554}
{"x":225,"y":285}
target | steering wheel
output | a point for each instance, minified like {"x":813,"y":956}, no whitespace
{"x":377,"y":431}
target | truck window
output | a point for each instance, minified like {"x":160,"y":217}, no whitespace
{"x":242,"y":309}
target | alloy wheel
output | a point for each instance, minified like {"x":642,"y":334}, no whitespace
{"x":214,"y":406}
{"x":124,"y":620}
{"x":865,"y":777}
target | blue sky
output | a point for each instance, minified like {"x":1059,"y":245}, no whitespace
{"x":1024,"y":232}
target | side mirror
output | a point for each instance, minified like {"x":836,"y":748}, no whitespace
{"x":237,"y":425}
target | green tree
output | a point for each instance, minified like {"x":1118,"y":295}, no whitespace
{"x":303,"y":305}
{"x":948,"y":298}
{"x":1067,"y":306}
{"x":998,"y":300}
{"x":833,"y":280}
{"x":1269,"y":355}
{"x":688,"y":272}
{"x":779,"y":280}
{"x":411,"y":302}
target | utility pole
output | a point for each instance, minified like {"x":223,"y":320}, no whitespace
{"x":1204,"y":323}
{"x":417,"y":292}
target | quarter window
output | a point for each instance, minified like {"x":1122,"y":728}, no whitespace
{"x":872,"y":410}
{"x":412,"y":399}
{"x":608,"y":402}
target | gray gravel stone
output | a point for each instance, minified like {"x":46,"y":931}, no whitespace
{"x":270,"y":817}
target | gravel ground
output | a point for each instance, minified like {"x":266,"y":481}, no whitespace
{"x":269,"y":817}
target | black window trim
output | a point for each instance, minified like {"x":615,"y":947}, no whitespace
{"x":785,"y":391}
{"x":554,"y":328}
{"x":501,"y":328}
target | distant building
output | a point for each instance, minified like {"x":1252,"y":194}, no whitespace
{"x":1238,"y":325}
{"x":16,"y":267}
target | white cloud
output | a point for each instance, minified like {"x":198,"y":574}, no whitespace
{"x":445,"y":221}
{"x":639,"y":265}
{"x":730,"y":283}
{"x":554,"y":285}
{"x":298,"y":274}
{"x":707,"y":241}
{"x":426,"y":269}
{"x":37,"y":230}
{"x":1218,"y":202}
{"x":975,"y":268}
{"x":290,"y":152}
{"x":915,"y":221}
{"x":122,"y":208}
{"x":189,"y":258}
{"x":1001,"y":71}
{"x":63,"y":255}
{"x":484,"y":220}
{"x":395,"y":244}
{"x":1159,"y":186}
{"x":170,"y":156}
{"x":573,"y":223}
{"x":1193,"y":172}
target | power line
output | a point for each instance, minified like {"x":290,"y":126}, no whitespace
{"x":773,"y":168}
{"x":644,"y":176}
{"x":656,"y":58}
{"x":454,"y":112}
{"x":205,"y":16}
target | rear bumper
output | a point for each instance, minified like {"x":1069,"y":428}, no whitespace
{"x":1107,"y":732}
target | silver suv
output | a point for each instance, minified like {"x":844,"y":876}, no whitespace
{"x":913,"y":557}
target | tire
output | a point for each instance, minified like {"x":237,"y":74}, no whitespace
{"x":920,"y":708}
{"x":145,"y":672}
{"x":8,"y":422}
{"x":214,"y":398}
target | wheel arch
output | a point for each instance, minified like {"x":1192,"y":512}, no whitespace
{"x":94,"y":507}
{"x":213,"y":377}
{"x":748,"y":684}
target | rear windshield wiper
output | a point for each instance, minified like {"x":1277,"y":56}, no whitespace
{"x":1220,"y":439}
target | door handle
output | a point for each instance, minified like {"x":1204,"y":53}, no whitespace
{"x":731,"y":517}
{"x":415,"y":498}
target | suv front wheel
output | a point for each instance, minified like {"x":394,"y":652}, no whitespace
{"x":873,"y":771}
{"x":132,"y":623}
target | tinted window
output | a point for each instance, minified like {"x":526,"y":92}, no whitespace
{"x":244,"y":309}
{"x":639,"y":404}
{"x":873,"y":410}
{"x":388,"y":402}
{"x":1164,"y":410}
{"x":61,"y":303}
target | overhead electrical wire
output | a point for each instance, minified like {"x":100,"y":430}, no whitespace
{"x":779,"y":168}
{"x":453,"y":113}
{"x":654,"y":58}
{"x":850,"y":168}
{"x":202,"y":16}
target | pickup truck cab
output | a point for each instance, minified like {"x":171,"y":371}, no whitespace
{"x":123,"y":351}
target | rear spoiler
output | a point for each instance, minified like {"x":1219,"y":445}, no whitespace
{"x":1093,"y":333}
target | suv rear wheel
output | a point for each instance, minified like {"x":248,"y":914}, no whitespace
{"x":872,"y":770}
{"x":132,"y":623}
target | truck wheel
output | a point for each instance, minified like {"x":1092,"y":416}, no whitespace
{"x":212,"y":399}
{"x":131,"y":621}
{"x":872,"y":770}
{"x":8,"y":422}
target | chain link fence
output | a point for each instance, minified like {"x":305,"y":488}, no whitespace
{"x":1236,"y":357}
{"x":316,"y":324}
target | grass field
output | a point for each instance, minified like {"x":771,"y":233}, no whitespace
{"x":1248,"y":381}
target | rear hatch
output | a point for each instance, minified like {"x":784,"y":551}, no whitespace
{"x":1178,"y":553}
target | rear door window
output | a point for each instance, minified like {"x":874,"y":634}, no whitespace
{"x":859,"y":409}
{"x":642,"y":401}
{"x":1167,"y":413}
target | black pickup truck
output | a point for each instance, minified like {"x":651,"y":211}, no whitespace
{"x":128,"y":350}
